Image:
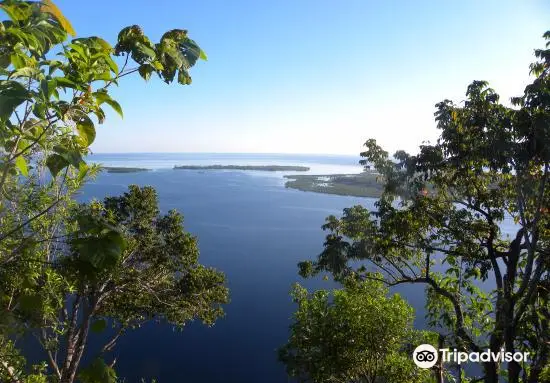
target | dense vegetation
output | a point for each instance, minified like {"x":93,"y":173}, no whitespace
{"x":68,"y":271}
{"x":120,"y":169}
{"x":490,"y":164}
{"x":354,"y":334}
{"x":366,"y":184}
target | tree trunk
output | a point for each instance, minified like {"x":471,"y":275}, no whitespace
{"x":438,"y":368}
{"x":514,"y":368}
{"x":71,"y":345}
{"x":538,"y":366}
{"x":78,"y":345}
{"x":78,"y":355}
{"x":491,"y":372}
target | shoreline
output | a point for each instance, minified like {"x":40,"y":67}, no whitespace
{"x":354,"y":185}
{"x":364,"y":185}
{"x":123,"y":169}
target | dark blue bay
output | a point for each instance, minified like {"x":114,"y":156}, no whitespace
{"x":256,"y":231}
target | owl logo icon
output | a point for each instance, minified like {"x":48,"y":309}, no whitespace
{"x":425,"y":356}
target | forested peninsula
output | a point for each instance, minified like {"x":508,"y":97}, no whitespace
{"x":120,"y":169}
{"x":359,"y":185}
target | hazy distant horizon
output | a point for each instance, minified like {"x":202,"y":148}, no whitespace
{"x":229,"y":153}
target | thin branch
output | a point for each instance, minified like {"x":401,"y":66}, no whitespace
{"x":111,"y":343}
{"x":49,"y":352}
{"x":459,"y":323}
{"x":19,"y":227}
{"x":111,"y":81}
{"x":33,"y":144}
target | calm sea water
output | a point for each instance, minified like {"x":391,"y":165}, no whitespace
{"x":256,"y":231}
{"x":319,"y":164}
{"x":252,"y":228}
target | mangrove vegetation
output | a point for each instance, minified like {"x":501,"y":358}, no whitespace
{"x":264,"y":168}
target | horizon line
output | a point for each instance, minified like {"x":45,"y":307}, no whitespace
{"x":251,"y":153}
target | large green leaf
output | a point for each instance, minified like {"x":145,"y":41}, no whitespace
{"x":104,"y":97}
{"x":98,"y":253}
{"x":49,"y":7}
{"x":86,"y":130}
{"x":25,"y":72}
{"x":12,"y":94}
{"x":146,"y":50}
{"x":39,"y":109}
{"x":21,"y":164}
{"x":18,"y":60}
{"x":66,"y":83}
{"x":83,"y":170}
{"x":56,"y":163}
{"x":192,"y":52}
{"x":112,"y":64}
{"x":116,"y":106}
{"x":72,"y":156}
{"x":203,"y":55}
{"x":145,"y":71}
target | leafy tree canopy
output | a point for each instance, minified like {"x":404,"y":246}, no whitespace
{"x":440,"y":223}
{"x":70,"y":270}
{"x":354,"y":334}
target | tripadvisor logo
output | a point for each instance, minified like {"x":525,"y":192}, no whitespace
{"x":426,"y":356}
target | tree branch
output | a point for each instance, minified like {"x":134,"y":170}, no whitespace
{"x":4,"y":236}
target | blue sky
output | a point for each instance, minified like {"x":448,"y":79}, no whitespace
{"x":312,"y":76}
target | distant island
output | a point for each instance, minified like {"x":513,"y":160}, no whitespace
{"x":118,"y":169}
{"x":266,"y":168}
{"x":359,"y":185}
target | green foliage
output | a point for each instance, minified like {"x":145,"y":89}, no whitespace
{"x":175,"y":53}
{"x":12,"y":365}
{"x":366,"y":184}
{"x":439,"y":223}
{"x":157,"y":275}
{"x":48,"y":97}
{"x":125,"y":265}
{"x":356,"y":334}
{"x":68,"y":270}
{"x":98,"y":372}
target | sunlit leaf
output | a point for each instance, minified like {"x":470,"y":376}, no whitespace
{"x":116,"y":106}
{"x":49,"y":7}
{"x":86,"y":130}
{"x":21,"y":164}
